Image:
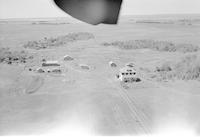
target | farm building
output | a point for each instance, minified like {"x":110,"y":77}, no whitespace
{"x":40,"y":70}
{"x":132,"y":65}
{"x":50,"y":63}
{"x":127,"y":74}
{"x":85,"y":67}
{"x":112,"y":64}
{"x":68,"y":58}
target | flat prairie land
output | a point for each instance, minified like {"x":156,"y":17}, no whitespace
{"x":86,"y":97}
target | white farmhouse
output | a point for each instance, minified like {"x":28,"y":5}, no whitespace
{"x":127,"y":74}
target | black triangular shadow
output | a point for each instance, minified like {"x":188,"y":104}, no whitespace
{"x":92,"y":11}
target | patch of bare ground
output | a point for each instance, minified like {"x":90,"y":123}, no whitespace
{"x":26,"y":84}
{"x":35,"y":84}
{"x":58,"y":41}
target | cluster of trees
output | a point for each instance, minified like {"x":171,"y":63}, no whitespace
{"x":154,"y":45}
{"x":8,"y":56}
{"x":188,"y":68}
{"x":58,"y":41}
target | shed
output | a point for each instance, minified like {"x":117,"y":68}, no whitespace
{"x":68,"y":58}
{"x":50,"y":63}
{"x":83,"y":66}
{"x":112,"y":64}
{"x":132,"y":65}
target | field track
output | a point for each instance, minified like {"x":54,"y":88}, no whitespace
{"x":142,"y":120}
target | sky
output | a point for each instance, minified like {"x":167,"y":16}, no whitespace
{"x":46,"y":8}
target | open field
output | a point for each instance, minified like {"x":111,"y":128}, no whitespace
{"x":87,"y":97}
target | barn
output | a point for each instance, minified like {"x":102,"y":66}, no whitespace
{"x":50,"y":63}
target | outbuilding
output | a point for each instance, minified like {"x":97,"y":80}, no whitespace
{"x":84,"y":66}
{"x":50,"y":63}
{"x":132,"y":65}
{"x":67,"y":58}
{"x":112,"y":64}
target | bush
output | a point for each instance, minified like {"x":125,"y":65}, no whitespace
{"x":59,"y":41}
{"x":9,"y":57}
{"x":154,"y":45}
{"x":164,"y":68}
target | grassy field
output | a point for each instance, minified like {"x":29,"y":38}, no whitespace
{"x":86,"y":97}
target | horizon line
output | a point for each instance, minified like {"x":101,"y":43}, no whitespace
{"x":10,"y":18}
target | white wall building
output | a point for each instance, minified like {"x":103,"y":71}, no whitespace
{"x":127,"y":74}
{"x":50,"y":63}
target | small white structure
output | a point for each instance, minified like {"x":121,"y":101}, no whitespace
{"x":127,"y":74}
{"x":112,"y":64}
{"x":67,"y":58}
{"x":50,"y":63}
{"x":84,"y":66}
{"x":132,"y":65}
